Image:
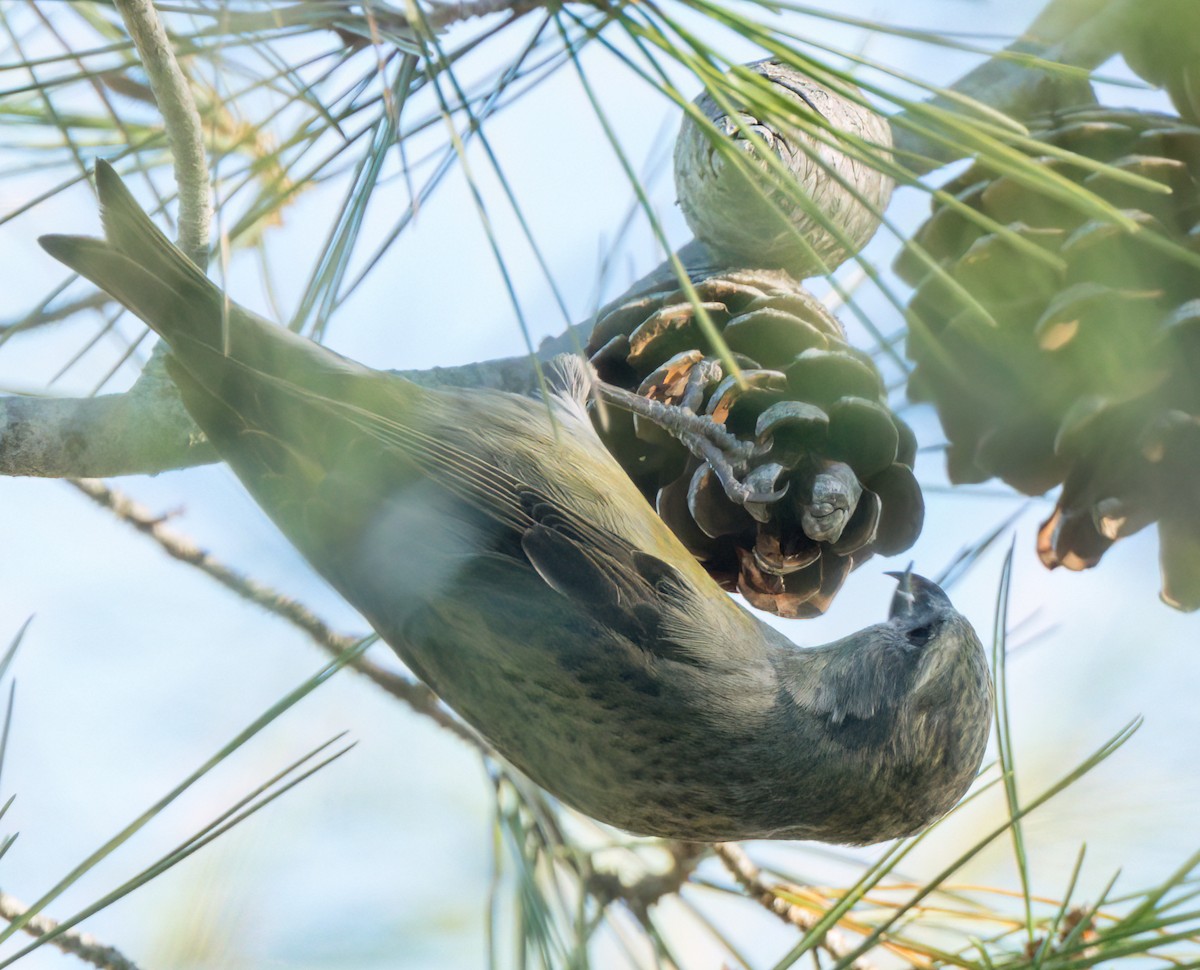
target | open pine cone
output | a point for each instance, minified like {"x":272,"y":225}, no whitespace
{"x":1082,"y":368}
{"x":815,"y":405}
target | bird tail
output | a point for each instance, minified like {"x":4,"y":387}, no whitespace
{"x":142,"y":268}
{"x":209,"y":334}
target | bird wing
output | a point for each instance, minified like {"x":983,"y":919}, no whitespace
{"x":621,"y":586}
{"x":625,"y":589}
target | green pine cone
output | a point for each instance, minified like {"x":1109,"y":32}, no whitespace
{"x":1062,"y":348}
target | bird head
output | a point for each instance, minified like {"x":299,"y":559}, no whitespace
{"x":918,"y":603}
{"x":923,"y":614}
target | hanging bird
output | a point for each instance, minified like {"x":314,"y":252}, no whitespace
{"x":513,"y":566}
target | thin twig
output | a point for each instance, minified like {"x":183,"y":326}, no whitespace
{"x":750,"y":878}
{"x":185,"y":135}
{"x":417,"y":696}
{"x":82,"y":945}
{"x":40,"y":316}
{"x":605,"y":887}
{"x":181,"y":119}
{"x":441,"y":15}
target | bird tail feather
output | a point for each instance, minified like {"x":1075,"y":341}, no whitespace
{"x":211,"y":336}
{"x":139,"y":266}
{"x":140,"y":291}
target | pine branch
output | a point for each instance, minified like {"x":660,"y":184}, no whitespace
{"x":143,"y":431}
{"x":640,"y":895}
{"x":181,"y":119}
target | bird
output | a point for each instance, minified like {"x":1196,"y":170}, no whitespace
{"x":512,"y":565}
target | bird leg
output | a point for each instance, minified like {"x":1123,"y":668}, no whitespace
{"x":728,"y":456}
{"x":705,"y":374}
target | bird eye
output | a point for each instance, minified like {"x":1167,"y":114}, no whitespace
{"x":919,"y":636}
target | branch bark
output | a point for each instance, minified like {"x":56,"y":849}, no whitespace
{"x":143,"y":431}
{"x":606,"y":887}
{"x":185,"y":133}
{"x":750,"y":878}
{"x":81,"y":945}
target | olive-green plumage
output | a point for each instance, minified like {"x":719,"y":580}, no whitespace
{"x":494,"y":543}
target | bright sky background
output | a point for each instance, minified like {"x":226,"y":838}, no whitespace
{"x":137,"y":668}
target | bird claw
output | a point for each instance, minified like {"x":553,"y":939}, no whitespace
{"x":754,"y":490}
{"x":682,"y":423}
{"x":727,"y":455}
{"x":760,"y":484}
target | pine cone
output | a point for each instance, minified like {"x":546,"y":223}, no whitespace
{"x":817,"y":406}
{"x":1082,"y":369}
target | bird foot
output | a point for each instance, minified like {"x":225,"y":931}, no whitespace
{"x":727,"y":455}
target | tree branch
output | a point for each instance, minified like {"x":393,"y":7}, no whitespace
{"x":143,"y":431}
{"x":606,"y":887}
{"x":81,"y":945}
{"x":185,"y":133}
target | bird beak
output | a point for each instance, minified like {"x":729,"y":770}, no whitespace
{"x":915,"y":594}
